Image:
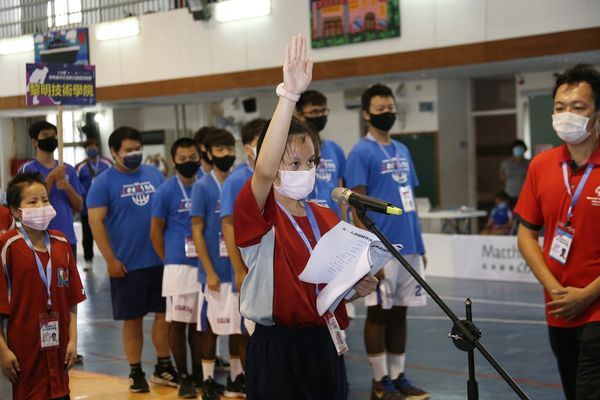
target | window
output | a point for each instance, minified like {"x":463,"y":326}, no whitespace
{"x":65,"y":12}
{"x":73,"y":153}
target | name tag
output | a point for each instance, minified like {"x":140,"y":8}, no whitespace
{"x":337,"y":335}
{"x":222,"y":246}
{"x":190,"y":249}
{"x":49,"y":335}
{"x":408,"y":201}
{"x":561,"y":244}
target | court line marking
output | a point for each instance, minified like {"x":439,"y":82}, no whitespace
{"x":492,"y":320}
{"x":498,"y":302}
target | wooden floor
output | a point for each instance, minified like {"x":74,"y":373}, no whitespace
{"x":92,"y":386}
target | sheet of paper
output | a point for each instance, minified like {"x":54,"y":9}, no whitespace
{"x":338,"y":250}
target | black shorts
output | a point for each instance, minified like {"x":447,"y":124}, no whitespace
{"x":294,"y":363}
{"x":138,"y":293}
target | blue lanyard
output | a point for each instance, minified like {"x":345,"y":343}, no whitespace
{"x":575,"y":197}
{"x":395,"y":159}
{"x":311,"y":220}
{"x":183,"y":192}
{"x":47,"y":276}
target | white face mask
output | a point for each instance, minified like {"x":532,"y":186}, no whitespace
{"x":37,"y":218}
{"x":296,"y":184}
{"x":570,"y":127}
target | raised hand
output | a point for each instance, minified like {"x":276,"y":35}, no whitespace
{"x":297,"y":68}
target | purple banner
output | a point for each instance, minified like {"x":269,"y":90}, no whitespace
{"x":60,"y":84}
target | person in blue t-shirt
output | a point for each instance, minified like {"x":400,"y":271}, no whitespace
{"x":219,"y":310}
{"x":381,"y":167}
{"x":501,"y":218}
{"x":66,"y":192}
{"x":119,"y":208}
{"x":171,"y":235}
{"x":199,"y":138}
{"x":87,"y":171}
{"x":312,"y":108}
{"x":231,"y":188}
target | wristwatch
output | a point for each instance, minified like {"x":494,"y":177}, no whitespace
{"x":282,"y":92}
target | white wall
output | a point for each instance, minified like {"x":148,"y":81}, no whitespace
{"x":173,"y":45}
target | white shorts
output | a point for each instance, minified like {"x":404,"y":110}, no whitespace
{"x":399,"y":288}
{"x":221,"y":311}
{"x":182,"y":308}
{"x":180,"y":279}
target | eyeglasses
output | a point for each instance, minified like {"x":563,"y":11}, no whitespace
{"x":316,"y":113}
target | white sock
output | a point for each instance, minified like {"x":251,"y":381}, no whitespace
{"x":379,"y":366}
{"x":396,"y":362}
{"x":235,"y":367}
{"x":208,"y":369}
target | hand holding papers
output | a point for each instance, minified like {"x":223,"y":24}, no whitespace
{"x":342,"y":257}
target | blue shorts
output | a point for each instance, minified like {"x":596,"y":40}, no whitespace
{"x":138,"y":293}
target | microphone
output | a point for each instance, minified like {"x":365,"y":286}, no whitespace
{"x":348,"y":197}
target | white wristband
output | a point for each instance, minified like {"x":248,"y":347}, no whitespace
{"x":287,"y":94}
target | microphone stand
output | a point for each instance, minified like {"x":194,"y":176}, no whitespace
{"x":465,"y":335}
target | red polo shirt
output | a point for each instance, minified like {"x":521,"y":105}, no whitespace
{"x":6,"y":219}
{"x":544,"y":201}
{"x":43,"y":373}
{"x":292,"y":303}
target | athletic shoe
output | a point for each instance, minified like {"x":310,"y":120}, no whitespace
{"x":165,"y":375}
{"x":385,"y":390}
{"x":137,"y":381}
{"x":186,"y":388}
{"x":211,"y":390}
{"x":221,"y":364}
{"x":237,"y":388}
{"x":88,"y":266}
{"x":79,"y":359}
{"x":409,"y":390}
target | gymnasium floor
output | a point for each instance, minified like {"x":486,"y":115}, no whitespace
{"x":510,"y":316}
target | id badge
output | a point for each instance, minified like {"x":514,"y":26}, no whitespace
{"x":337,"y":335}
{"x":190,"y":248}
{"x":561,"y":244}
{"x":222,"y":246}
{"x":49,"y":335}
{"x":408,"y":201}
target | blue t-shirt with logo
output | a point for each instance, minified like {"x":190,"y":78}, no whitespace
{"x":59,"y":199}
{"x":127,"y":198}
{"x":170,"y":205}
{"x":329,"y":171}
{"x":206,"y":203}
{"x":383,"y":171}
{"x":87,"y":172}
{"x":231,"y":188}
{"x":501,"y":215}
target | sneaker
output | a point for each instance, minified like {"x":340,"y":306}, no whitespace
{"x":88,"y":266}
{"x":137,"y":382}
{"x":409,"y":390}
{"x":221,"y":364}
{"x":165,"y":375}
{"x":211,"y":390}
{"x":79,"y":359}
{"x":186,"y":388}
{"x":385,"y":390}
{"x":237,"y":388}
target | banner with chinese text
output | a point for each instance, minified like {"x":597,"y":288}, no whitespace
{"x":60,"y":84}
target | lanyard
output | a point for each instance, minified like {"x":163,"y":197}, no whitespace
{"x":394,"y":159}
{"x":182,"y":188}
{"x":47,"y":276}
{"x":575,"y":197}
{"x":311,"y":220}
{"x":212,"y":173}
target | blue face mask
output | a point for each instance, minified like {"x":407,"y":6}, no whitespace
{"x":92,"y":153}
{"x":133,"y":160}
{"x":518,"y":151}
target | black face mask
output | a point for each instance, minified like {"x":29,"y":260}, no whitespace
{"x":188,"y":169}
{"x":204,"y":156}
{"x":384,"y":121}
{"x":48,"y":145}
{"x":318,"y":122}
{"x":223,"y":163}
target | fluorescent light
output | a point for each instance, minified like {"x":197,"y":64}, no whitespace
{"x":15,"y":45}
{"x":233,"y":10}
{"x":118,"y":29}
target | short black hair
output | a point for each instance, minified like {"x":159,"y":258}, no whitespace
{"x":376,"y":90}
{"x":219,"y":137}
{"x":18,"y":183}
{"x":310,"y":97}
{"x":202,"y":133}
{"x":91,"y":142}
{"x":580,"y":73}
{"x":183,"y":143}
{"x":519,"y":142}
{"x":502,"y":195}
{"x":250,"y":130}
{"x":37,"y":127}
{"x":297,"y":129}
{"x":124,"y":132}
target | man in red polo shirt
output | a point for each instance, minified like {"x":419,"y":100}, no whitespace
{"x":562,"y":194}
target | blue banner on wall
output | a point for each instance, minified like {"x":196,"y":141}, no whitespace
{"x":62,"y":47}
{"x":60,"y":84}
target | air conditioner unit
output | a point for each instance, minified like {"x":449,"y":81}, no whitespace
{"x":352,"y":98}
